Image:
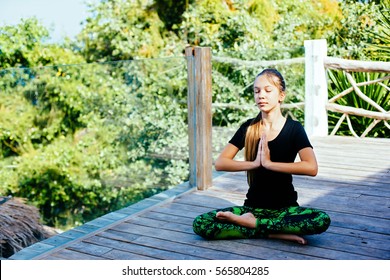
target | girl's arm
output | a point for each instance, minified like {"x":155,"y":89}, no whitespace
{"x":306,"y":166}
{"x":226,"y":162}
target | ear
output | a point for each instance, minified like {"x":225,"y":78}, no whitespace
{"x":282,"y":96}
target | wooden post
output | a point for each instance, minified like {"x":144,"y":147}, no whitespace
{"x":316,"y":90}
{"x":199,"y":116}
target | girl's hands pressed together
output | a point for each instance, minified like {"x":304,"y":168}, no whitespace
{"x":257,"y":160}
{"x":265,"y":158}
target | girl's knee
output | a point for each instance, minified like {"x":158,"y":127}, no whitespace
{"x":323,"y":221}
{"x":202,"y":224}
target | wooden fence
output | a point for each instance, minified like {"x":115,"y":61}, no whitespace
{"x":316,"y":92}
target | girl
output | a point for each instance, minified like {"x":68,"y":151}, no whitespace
{"x":271,"y":144}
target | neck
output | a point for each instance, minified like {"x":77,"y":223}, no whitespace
{"x":272,"y":119}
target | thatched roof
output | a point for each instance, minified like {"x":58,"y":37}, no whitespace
{"x":20,"y":226}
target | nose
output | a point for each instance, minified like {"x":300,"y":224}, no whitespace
{"x":260,"y":94}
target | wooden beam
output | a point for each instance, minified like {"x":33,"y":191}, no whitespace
{"x":259,"y":63}
{"x":199,"y":116}
{"x":316,"y":90}
{"x":356,"y":65}
{"x":358,"y":111}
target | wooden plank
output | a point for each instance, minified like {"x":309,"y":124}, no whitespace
{"x":199,"y":116}
{"x":344,"y":244}
{"x":132,"y":243}
{"x":348,"y":182}
{"x":348,"y":140}
{"x":187,"y":249}
{"x":222,"y":247}
{"x":345,"y":204}
{"x":123,"y":255}
{"x":378,"y":189}
{"x":157,"y":216}
{"x":356,"y":175}
{"x":358,"y":237}
{"x":91,"y":249}
{"x":363,"y":148}
{"x":372,"y":165}
{"x":67,"y":254}
{"x":316,"y":248}
{"x":359,"y":222}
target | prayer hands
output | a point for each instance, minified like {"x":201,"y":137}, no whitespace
{"x":263,"y":157}
{"x":265,"y":153}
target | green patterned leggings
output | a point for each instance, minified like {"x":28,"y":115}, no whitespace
{"x":292,"y":220}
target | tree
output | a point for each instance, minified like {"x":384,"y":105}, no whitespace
{"x":122,"y":30}
{"x":171,"y":11}
{"x":23,"y":45}
{"x":304,"y":20}
{"x":354,"y":32}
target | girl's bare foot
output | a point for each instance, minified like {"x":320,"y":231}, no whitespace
{"x":247,"y":220}
{"x":289,"y":237}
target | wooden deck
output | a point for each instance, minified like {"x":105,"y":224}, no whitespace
{"x":353,"y":187}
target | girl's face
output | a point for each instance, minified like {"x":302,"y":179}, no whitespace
{"x":267,"y":94}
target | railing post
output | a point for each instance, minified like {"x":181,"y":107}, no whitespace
{"x":199,"y":116}
{"x":316,"y":90}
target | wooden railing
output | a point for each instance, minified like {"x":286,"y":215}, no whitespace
{"x":317,"y":103}
{"x":358,"y":66}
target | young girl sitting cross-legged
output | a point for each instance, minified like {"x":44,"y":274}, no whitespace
{"x":271,"y":144}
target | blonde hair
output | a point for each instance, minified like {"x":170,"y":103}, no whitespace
{"x":254,"y":131}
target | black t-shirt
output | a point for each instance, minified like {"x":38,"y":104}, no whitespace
{"x":271,"y":189}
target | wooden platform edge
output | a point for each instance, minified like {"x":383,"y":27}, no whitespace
{"x":100,"y":224}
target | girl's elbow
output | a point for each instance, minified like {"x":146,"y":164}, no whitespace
{"x":218,"y":165}
{"x":314,"y":171}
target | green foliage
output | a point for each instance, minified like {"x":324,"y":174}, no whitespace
{"x":23,"y":46}
{"x":381,"y":50}
{"x":20,"y":45}
{"x":122,"y":30}
{"x":264,"y":11}
{"x":304,"y":20}
{"x":171,"y":12}
{"x":228,"y":30}
{"x":350,"y":39}
{"x":67,"y":182}
{"x":91,"y":136}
